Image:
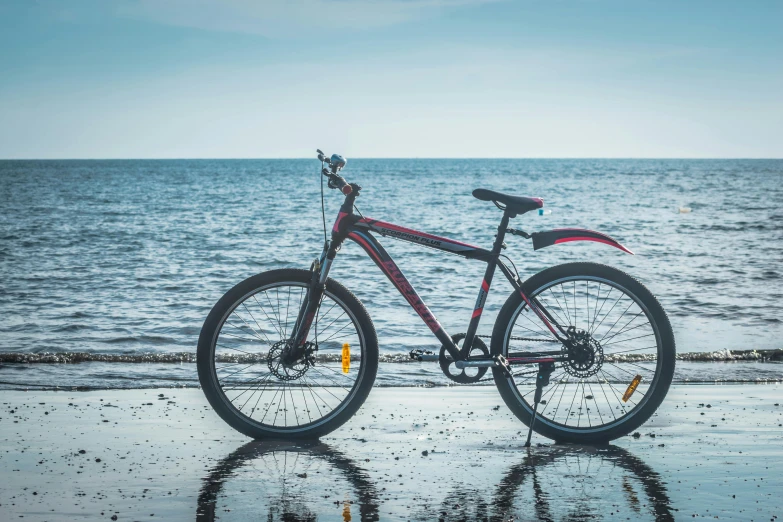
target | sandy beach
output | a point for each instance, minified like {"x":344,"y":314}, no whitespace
{"x":712,"y":452}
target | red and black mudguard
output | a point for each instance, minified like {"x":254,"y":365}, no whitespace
{"x":565,"y":235}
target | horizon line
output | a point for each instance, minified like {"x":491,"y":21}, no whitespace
{"x":407,"y":158}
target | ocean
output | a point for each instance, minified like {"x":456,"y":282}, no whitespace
{"x":108,"y":268}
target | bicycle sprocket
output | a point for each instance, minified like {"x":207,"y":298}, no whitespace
{"x":479,"y":349}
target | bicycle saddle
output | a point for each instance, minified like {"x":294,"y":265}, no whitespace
{"x":514,"y":204}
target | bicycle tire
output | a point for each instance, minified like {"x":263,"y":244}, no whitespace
{"x":252,"y":427}
{"x":659,"y":383}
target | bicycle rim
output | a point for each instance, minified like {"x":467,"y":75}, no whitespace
{"x":590,"y":396}
{"x":258,"y":388}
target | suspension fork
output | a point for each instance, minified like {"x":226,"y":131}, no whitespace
{"x":318,"y":276}
{"x":319,"y":272}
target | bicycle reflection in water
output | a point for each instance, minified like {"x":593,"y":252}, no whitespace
{"x":286,"y":481}
{"x":300,"y":482}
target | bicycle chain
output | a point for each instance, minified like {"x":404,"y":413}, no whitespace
{"x":524,"y":339}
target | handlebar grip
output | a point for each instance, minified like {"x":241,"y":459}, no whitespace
{"x":343,"y":185}
{"x":336,"y":181}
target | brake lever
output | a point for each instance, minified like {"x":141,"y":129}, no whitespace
{"x":331,"y":178}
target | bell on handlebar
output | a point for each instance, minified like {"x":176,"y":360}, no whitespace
{"x":337,"y":162}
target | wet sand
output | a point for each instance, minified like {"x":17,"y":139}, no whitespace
{"x":712,"y":452}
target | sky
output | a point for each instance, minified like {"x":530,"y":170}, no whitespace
{"x":391,"y":78}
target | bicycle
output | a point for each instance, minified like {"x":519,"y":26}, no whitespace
{"x":580,"y":352}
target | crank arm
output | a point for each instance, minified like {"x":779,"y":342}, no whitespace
{"x":475,"y":363}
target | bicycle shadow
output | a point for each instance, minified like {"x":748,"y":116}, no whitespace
{"x":559,"y":482}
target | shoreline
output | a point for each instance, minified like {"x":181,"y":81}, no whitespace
{"x":96,"y":375}
{"x":722,"y":355}
{"x":409,"y":454}
{"x":428,"y":386}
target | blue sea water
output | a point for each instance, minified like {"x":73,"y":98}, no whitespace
{"x":126,"y":258}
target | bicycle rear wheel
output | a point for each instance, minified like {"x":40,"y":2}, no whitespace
{"x":240,"y":367}
{"x":620,"y":366}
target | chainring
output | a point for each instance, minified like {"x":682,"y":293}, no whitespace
{"x":455,"y":374}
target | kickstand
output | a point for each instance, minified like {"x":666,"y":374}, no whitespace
{"x":542,"y":379}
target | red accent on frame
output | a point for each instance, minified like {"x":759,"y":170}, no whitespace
{"x":539,"y":201}
{"x":375,"y":222}
{"x":596,"y":239}
{"x":538,"y":313}
{"x":340,"y":216}
{"x":347,"y":189}
{"x":484,"y":285}
{"x":476,"y":312}
{"x":370,"y":250}
{"x":398,"y":280}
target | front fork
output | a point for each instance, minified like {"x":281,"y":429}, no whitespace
{"x":319,"y":272}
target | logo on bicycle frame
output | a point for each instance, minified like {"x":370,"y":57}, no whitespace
{"x":410,"y":237}
{"x":410,"y":295}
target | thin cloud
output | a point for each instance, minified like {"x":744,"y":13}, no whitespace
{"x":282,"y":18}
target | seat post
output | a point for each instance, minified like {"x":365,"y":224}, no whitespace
{"x":501,"y":233}
{"x":492,"y":262}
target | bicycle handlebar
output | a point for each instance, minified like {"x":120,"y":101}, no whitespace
{"x":336,"y":162}
{"x":337,"y":181}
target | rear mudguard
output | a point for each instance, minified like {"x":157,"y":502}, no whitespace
{"x":564,"y":235}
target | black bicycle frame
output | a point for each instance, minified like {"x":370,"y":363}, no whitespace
{"x":360,"y":229}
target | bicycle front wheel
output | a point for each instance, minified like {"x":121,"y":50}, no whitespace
{"x":617,"y":369}
{"x":244,"y":378}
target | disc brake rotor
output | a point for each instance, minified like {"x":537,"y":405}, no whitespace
{"x":286,"y":372}
{"x":479,"y":349}
{"x":585,"y":356}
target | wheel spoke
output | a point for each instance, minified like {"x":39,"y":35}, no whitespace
{"x":610,"y":326}
{"x":256,"y":383}
{"x":267,"y":316}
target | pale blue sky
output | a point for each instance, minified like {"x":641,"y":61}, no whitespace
{"x":390,"y":78}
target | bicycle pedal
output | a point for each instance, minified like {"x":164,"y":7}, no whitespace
{"x":423,"y":355}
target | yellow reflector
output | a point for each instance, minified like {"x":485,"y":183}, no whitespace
{"x":632,"y":388}
{"x":346,"y":357}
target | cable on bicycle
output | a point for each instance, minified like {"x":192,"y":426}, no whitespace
{"x":512,"y":264}
{"x":323,"y":210}
{"x":362,"y":215}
